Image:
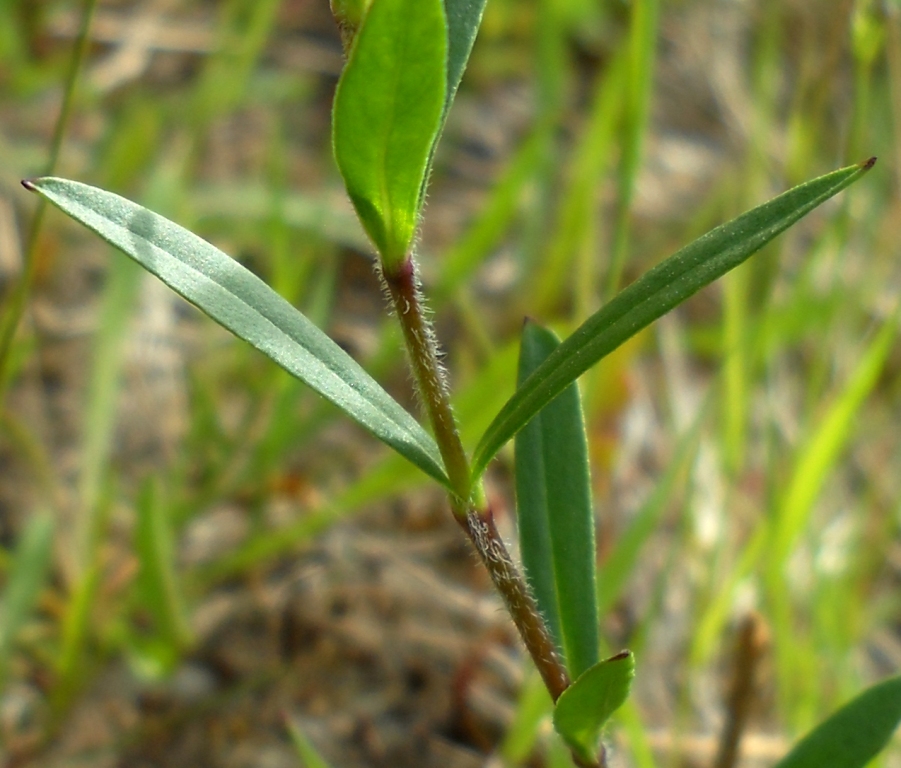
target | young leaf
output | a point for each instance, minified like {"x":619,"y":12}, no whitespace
{"x":387,"y":112}
{"x":853,"y":735}
{"x":239,"y":301}
{"x":584,"y":707}
{"x":554,"y":512}
{"x":653,"y":295}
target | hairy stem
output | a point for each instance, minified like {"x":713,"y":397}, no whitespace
{"x":403,"y":288}
{"x":476,"y":519}
{"x":520,"y":604}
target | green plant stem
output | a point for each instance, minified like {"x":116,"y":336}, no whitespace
{"x":403,"y":288}
{"x":518,"y":599}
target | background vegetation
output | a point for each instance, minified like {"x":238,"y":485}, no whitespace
{"x":199,"y":557}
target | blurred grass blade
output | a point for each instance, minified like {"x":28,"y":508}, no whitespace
{"x":387,"y":113}
{"x":14,"y":305}
{"x":653,"y":295}
{"x":463,"y":19}
{"x":27,"y":574}
{"x":120,"y":297}
{"x":573,"y":244}
{"x":533,"y":705}
{"x":157,"y":585}
{"x":309,"y":757}
{"x":584,"y":707}
{"x":853,"y":735}
{"x":616,"y":570}
{"x":496,"y":213}
{"x":245,"y":305}
{"x":639,"y":87}
{"x":554,"y":512}
{"x":824,"y":447}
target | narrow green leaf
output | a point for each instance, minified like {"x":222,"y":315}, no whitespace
{"x":654,"y":294}
{"x":241,"y":302}
{"x":584,"y":707}
{"x":554,"y":512}
{"x":24,"y":581}
{"x":854,"y":734}
{"x":388,"y":110}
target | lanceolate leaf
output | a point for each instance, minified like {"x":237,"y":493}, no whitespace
{"x":554,"y":513}
{"x":584,"y":707}
{"x":388,"y":109}
{"x":851,"y":737}
{"x":653,"y":295}
{"x":241,"y":302}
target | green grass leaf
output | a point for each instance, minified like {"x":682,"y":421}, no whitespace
{"x":621,"y":562}
{"x":830,"y":436}
{"x":306,"y":752}
{"x":654,"y":294}
{"x":23,"y":583}
{"x":554,"y":512}
{"x":853,"y":735}
{"x":584,"y":707}
{"x":157,"y":587}
{"x":241,"y":302}
{"x":387,"y":113}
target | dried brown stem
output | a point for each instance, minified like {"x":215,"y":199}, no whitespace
{"x":749,"y":651}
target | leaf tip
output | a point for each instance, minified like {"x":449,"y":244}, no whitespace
{"x":30,"y":185}
{"x":869,"y":163}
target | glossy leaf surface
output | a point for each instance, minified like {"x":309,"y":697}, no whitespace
{"x":239,"y":301}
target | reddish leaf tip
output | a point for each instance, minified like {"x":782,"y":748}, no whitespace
{"x":29,"y":185}
{"x":869,"y":163}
